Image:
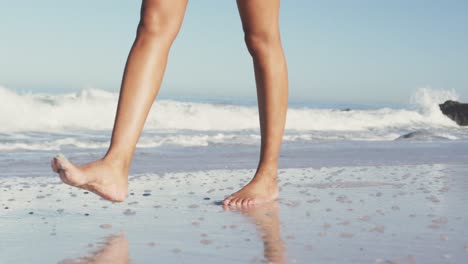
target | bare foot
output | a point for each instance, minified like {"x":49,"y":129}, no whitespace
{"x":261,"y":189}
{"x":101,"y":177}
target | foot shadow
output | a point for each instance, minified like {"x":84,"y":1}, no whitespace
{"x":220,"y":202}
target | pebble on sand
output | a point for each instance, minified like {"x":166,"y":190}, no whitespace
{"x":129,"y":212}
{"x":105,"y":226}
{"x":378,"y":229}
{"x":440,"y":221}
{"x":364,"y":218}
{"x":206,"y":242}
{"x":346,"y":235}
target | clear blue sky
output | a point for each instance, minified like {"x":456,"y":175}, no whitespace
{"x":343,"y":51}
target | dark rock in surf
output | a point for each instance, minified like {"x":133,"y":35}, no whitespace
{"x":421,"y":135}
{"x":456,"y":111}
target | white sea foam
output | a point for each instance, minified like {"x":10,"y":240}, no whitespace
{"x":427,"y":101}
{"x":94,"y":109}
{"x":31,"y":121}
{"x":145,"y":142}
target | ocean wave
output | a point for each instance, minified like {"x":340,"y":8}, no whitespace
{"x":144,"y":142}
{"x":94,"y":109}
{"x":57,"y":141}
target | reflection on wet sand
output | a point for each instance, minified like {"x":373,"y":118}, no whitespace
{"x":114,"y":250}
{"x":266,"y":218}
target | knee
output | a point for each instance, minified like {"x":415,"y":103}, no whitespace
{"x":155,"y":25}
{"x":261,"y":43}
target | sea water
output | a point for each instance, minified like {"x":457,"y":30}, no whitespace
{"x":217,"y":133}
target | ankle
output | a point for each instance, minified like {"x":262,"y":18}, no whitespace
{"x":267,"y":171}
{"x":268,"y":166}
{"x":119,"y":163}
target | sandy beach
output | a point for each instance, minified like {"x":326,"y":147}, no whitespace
{"x":360,"y":186}
{"x":359,"y":212}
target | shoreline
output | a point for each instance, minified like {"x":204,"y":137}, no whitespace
{"x":293,"y":155}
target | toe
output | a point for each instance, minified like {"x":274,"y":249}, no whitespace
{"x":226,"y":207}
{"x":58,"y":164}
{"x":238,"y":202}
{"x":61,"y":162}
{"x":245,"y":202}
{"x":233,"y":201}
{"x":53,"y":165}
{"x":63,"y":177}
{"x":228,"y":200}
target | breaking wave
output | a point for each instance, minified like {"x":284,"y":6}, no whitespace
{"x":94,"y":109}
{"x":33,"y":121}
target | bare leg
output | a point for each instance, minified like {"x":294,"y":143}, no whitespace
{"x":260,"y":20}
{"x":108,"y":177}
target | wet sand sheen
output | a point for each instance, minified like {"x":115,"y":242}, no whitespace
{"x":369,"y":214}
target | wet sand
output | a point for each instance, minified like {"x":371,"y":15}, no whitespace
{"x":345,"y":214}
